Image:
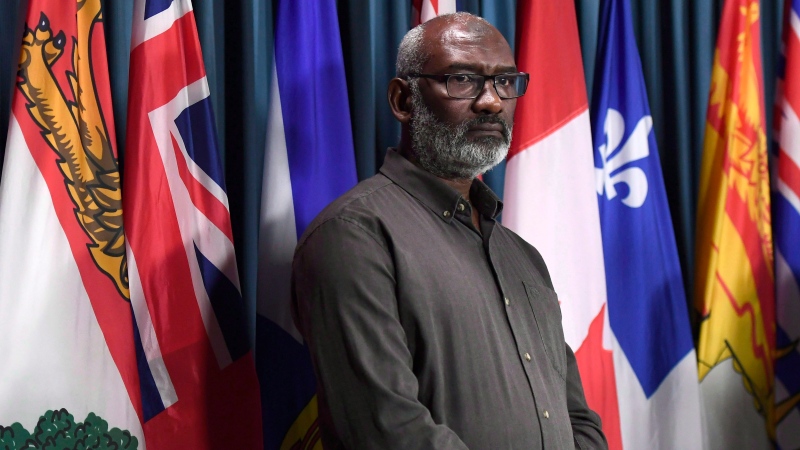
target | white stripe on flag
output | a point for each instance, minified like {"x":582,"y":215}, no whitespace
{"x":550,"y":201}
{"x":444,"y":7}
{"x":277,"y":229}
{"x":199,"y":91}
{"x":147,"y":333}
{"x":788,"y":194}
{"x":54,"y":353}
{"x":790,"y":133}
{"x":640,"y":416}
{"x":143,"y":30}
{"x":195,"y":228}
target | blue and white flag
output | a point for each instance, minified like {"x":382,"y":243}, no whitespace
{"x":650,"y":337}
{"x":309,"y":162}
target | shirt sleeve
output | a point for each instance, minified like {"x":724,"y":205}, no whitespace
{"x":345,"y":306}
{"x":586,"y":428}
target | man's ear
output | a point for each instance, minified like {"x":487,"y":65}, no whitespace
{"x":399,"y":94}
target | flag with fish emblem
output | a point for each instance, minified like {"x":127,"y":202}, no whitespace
{"x":196,"y":372}
{"x":68,"y":340}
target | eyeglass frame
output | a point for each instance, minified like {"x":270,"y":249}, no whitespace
{"x":443,"y":78}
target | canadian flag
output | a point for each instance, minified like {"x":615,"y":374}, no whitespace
{"x":550,"y":197}
{"x":425,"y":10}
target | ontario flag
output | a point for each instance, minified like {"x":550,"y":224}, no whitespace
{"x":196,"y":375}
{"x":425,"y":10}
{"x":68,"y":341}
{"x":734,"y":289}
{"x":786,"y":229}
{"x":654,"y":359}
{"x":309,"y":162}
{"x":550,"y":197}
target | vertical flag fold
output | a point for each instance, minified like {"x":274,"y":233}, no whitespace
{"x":309,"y":162}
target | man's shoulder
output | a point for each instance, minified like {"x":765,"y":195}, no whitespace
{"x":360,"y":205}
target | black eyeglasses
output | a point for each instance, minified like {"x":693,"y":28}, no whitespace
{"x":469,"y":85}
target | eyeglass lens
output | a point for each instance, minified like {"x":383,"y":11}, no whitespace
{"x":469,"y":86}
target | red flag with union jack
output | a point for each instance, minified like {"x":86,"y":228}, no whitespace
{"x":198,"y":382}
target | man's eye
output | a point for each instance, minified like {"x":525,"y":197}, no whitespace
{"x":502,"y":81}
{"x":465,"y":79}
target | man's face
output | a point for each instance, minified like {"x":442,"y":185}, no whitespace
{"x":460,"y":138}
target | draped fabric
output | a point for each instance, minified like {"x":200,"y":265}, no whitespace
{"x":675,"y":39}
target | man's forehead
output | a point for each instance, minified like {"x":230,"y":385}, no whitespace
{"x":455,"y":31}
{"x":467,"y":42}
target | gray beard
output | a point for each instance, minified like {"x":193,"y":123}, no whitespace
{"x":444,"y":150}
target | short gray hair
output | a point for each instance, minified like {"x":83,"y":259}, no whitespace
{"x":411,"y":56}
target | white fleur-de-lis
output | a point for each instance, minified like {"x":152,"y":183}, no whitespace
{"x":635,"y":148}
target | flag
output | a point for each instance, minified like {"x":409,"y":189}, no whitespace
{"x":199,"y":388}
{"x":734,"y":289}
{"x":67,"y":338}
{"x":309,"y":162}
{"x":550,"y":198}
{"x":786,"y":229}
{"x":425,"y":10}
{"x":654,"y":358}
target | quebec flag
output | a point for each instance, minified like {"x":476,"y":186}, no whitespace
{"x":309,"y":162}
{"x":648,"y":328}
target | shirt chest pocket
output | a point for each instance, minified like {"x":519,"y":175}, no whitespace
{"x":547,"y":313}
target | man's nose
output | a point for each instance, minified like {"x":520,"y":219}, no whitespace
{"x":488,"y":101}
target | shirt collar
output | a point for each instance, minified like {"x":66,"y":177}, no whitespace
{"x":433,"y":192}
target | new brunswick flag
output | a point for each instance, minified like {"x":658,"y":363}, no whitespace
{"x":734,"y":292}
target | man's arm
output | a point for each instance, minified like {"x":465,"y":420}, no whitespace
{"x":345,"y":307}
{"x":586,"y":427}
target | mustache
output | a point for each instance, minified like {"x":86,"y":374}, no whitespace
{"x":488,"y":119}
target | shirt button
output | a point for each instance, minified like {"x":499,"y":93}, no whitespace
{"x":508,"y":302}
{"x":446,"y":213}
{"x":527,"y":356}
{"x":461,"y":207}
{"x":546,"y":414}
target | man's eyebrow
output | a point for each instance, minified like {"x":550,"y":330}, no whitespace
{"x":474,"y":69}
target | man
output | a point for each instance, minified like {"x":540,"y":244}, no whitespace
{"x":430,"y":325}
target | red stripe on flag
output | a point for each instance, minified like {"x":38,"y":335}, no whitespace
{"x":596,"y":366}
{"x":738,"y":211}
{"x":789,"y":173}
{"x":114,"y":315}
{"x":204,"y":201}
{"x":791,"y":91}
{"x":747,"y":309}
{"x":548,"y":48}
{"x":165,"y":67}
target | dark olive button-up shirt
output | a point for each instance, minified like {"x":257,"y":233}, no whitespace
{"x":426,"y":333}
